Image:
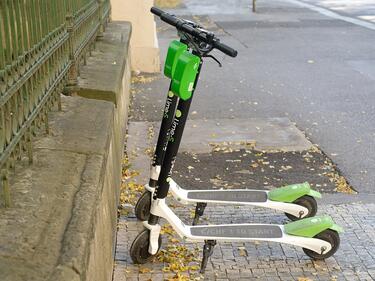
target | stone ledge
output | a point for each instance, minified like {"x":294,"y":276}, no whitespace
{"x":102,"y":75}
{"x":62,"y":225}
{"x":54,"y":199}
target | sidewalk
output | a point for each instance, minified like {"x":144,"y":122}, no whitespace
{"x":224,"y":157}
{"x":238,"y":261}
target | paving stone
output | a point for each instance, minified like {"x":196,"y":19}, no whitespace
{"x":144,"y":277}
{"x":270,"y":261}
{"x":245,"y":273}
{"x":157,"y":277}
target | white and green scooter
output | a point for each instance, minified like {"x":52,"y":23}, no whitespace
{"x":318,"y":236}
{"x":297,"y":201}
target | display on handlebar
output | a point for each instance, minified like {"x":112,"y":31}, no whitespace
{"x":198,"y":33}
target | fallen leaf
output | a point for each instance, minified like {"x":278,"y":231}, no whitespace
{"x":144,"y":270}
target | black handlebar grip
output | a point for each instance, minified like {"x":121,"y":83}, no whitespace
{"x":157,"y":11}
{"x":225,"y":49}
{"x":180,"y":24}
{"x":172,"y":20}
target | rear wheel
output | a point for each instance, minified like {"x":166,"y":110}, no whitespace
{"x":330,"y":236}
{"x":139,"y":248}
{"x":309,"y":203}
{"x":143,"y":206}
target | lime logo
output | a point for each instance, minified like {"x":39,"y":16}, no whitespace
{"x":191,"y":86}
{"x":170,"y":94}
{"x":178,"y":113}
{"x":167,"y":105}
{"x":168,"y":179}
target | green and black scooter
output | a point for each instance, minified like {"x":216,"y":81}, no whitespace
{"x":297,"y":201}
{"x":318,"y":236}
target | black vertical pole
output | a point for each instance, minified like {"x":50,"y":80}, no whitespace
{"x":175,"y":136}
{"x":161,"y":146}
{"x":166,"y":123}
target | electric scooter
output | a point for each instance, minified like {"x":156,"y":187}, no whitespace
{"x":297,"y":200}
{"x":318,"y":236}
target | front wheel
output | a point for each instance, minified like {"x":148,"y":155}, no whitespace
{"x":309,"y":203}
{"x":330,"y":236}
{"x":139,"y":248}
{"x":143,"y":206}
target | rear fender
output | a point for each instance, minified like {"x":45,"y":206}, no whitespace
{"x":290,"y":193}
{"x":310,"y":227}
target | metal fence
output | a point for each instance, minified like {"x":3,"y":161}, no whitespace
{"x":42,"y":44}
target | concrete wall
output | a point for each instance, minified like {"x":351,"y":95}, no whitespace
{"x":144,"y":44}
{"x":62,"y":226}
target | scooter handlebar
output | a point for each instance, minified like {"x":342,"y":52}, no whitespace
{"x":172,"y":20}
{"x":225,"y":49}
{"x":182,"y":25}
{"x":156,"y":11}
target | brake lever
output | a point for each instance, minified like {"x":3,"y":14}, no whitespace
{"x":191,"y":23}
{"x":215,"y":59}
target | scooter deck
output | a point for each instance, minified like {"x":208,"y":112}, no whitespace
{"x":248,"y":231}
{"x":241,"y":196}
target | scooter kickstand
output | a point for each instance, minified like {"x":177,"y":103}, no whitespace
{"x":208,"y":249}
{"x":199,"y":210}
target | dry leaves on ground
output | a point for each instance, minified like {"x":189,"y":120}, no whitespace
{"x":332,"y":173}
{"x":178,"y":258}
{"x":227,"y":147}
{"x":130,"y":190}
{"x":141,"y":79}
{"x":167,"y":3}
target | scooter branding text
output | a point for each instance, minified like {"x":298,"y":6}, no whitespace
{"x":167,"y":106}
{"x":173,"y":129}
{"x":240,"y":232}
{"x":172,"y":166}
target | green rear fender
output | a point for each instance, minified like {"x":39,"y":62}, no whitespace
{"x":290,"y":193}
{"x":310,"y":227}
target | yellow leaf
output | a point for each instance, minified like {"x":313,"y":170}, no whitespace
{"x":166,"y":269}
{"x":144,"y":270}
{"x":242,"y":253}
{"x":195,"y":267}
{"x":304,"y":279}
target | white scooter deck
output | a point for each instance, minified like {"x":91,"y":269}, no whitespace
{"x":252,"y":197}
{"x":228,"y":232}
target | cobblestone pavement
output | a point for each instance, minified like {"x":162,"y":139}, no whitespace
{"x":355,"y":260}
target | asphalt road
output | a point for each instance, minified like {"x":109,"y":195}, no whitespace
{"x":360,"y":9}
{"x":317,"y":70}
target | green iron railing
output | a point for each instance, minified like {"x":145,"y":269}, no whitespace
{"x":42,"y":45}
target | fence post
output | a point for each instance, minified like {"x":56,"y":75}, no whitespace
{"x":72,"y":82}
{"x":101,"y":18}
{"x":6,"y":189}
